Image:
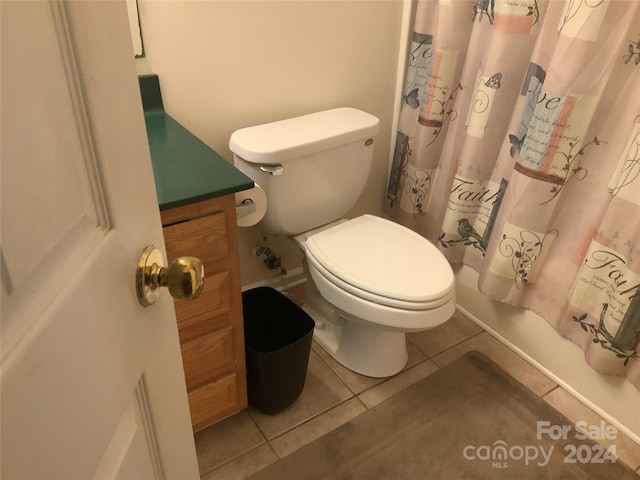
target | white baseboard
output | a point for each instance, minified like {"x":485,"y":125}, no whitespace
{"x":293,"y":278}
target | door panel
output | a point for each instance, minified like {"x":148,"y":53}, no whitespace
{"x":92,"y":382}
{"x":129,"y":455}
{"x":49,"y":139}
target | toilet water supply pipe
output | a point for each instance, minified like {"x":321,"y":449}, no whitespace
{"x":272,"y":260}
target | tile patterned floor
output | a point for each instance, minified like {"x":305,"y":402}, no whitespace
{"x":249,"y":441}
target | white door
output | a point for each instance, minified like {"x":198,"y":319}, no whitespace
{"x":92,"y":382}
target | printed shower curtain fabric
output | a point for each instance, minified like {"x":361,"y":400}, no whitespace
{"x":518,"y":154}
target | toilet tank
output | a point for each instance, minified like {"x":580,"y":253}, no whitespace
{"x":312,"y":168}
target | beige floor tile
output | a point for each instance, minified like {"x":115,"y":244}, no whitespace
{"x":390,"y":387}
{"x":508,"y":360}
{"x":296,"y":294}
{"x":359,"y":383}
{"x":626,"y":449}
{"x":456,"y":330}
{"x":317,"y":427}
{"x":225,"y":440}
{"x":243,"y":466}
{"x":322,"y":391}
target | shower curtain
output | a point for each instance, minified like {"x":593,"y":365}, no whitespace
{"x":518,"y":154}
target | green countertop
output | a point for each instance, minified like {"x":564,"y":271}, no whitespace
{"x":186,"y":170}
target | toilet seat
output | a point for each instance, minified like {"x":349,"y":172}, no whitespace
{"x":382,"y":262}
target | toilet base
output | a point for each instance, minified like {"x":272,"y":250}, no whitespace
{"x":373,"y":352}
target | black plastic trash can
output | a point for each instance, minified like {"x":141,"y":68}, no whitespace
{"x":278,"y":337}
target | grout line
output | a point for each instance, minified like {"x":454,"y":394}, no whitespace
{"x":455,"y":345}
{"x":202,"y":474}
{"x":234,"y":457}
{"x":402,"y":372}
{"x":451,"y":347}
{"x":264,"y":435}
{"x":308,"y":420}
{"x":353,"y":394}
{"x":543,"y":395}
{"x":273,"y":450}
{"x":313,"y":418}
{"x":366,"y":409}
{"x":293,"y":427}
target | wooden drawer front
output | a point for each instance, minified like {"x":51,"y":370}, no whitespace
{"x":204,"y":238}
{"x":197,"y":329}
{"x":195,"y":210}
{"x":215,"y":300}
{"x":213,"y":401}
{"x":207,"y":357}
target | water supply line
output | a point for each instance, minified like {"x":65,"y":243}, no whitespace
{"x":272,"y":260}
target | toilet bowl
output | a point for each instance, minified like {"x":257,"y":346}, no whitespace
{"x":371,"y":281}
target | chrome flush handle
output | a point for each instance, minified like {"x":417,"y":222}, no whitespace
{"x":276,"y":169}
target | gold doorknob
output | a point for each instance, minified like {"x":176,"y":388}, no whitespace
{"x":184,"y":277}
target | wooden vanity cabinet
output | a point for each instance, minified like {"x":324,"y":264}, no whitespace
{"x":211,"y":326}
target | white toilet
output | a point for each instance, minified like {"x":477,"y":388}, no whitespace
{"x":371,"y":280}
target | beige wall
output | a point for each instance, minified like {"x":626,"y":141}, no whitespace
{"x":225,"y":65}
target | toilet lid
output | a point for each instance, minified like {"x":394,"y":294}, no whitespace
{"x":383,"y":258}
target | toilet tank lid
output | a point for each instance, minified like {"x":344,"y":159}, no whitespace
{"x":296,"y":137}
